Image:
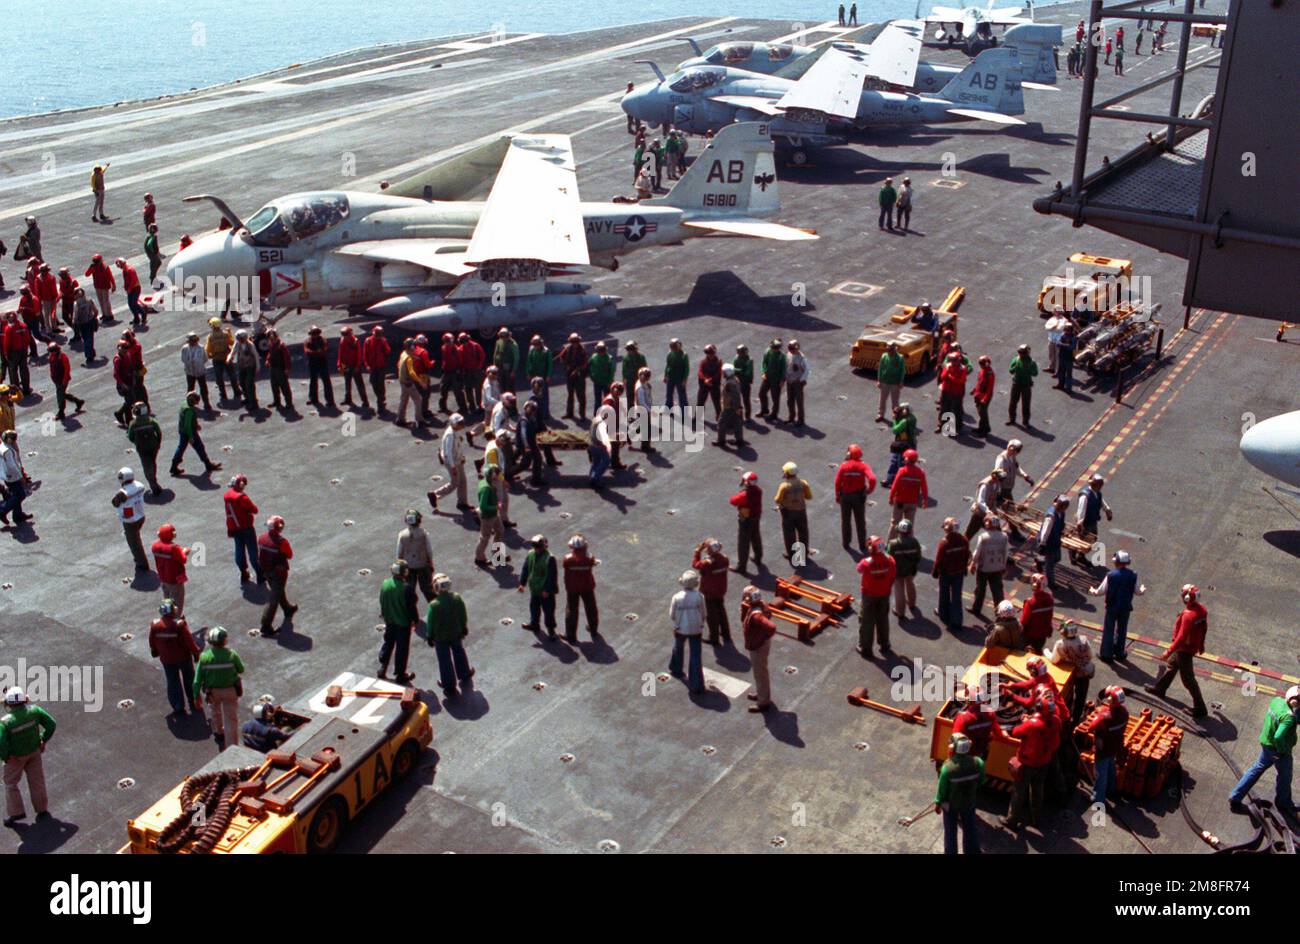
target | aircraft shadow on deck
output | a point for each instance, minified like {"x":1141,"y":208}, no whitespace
{"x":726,"y":294}
{"x":847,"y":165}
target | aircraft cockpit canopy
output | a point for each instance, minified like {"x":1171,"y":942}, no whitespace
{"x":297,"y":217}
{"x":726,"y":54}
{"x":693,"y":80}
{"x":729,"y":52}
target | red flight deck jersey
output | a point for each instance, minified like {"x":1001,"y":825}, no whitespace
{"x":877,"y":572}
{"x":713,"y":574}
{"x":854,"y":476}
{"x":579,"y":571}
{"x":170,"y":560}
{"x":239,"y":511}
{"x":1189,"y":630}
{"x":171,"y":642}
{"x":910,"y":487}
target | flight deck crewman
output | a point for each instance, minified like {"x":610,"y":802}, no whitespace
{"x":1088,"y":514}
{"x":1119,"y":587}
{"x":888,"y":197}
{"x":906,"y":552}
{"x":731,"y":417}
{"x":573,"y":358}
{"x":708,"y":379}
{"x":217,"y":346}
{"x":317,"y":350}
{"x":1277,"y":744}
{"x":129,"y":502}
{"x":1187,"y":644}
{"x":743,"y":364}
{"x":853,"y":483}
{"x":890,"y":374}
{"x":505,"y":356}
{"x":414,"y":547}
{"x":172,"y":644}
{"x":217,"y":675}
{"x":797,"y":374}
{"x":773,"y":376}
{"x":24,"y":730}
{"x":677,"y":367}
{"x":539,"y":575}
{"x":279,"y":362}
{"x":97,"y":214}
{"x":960,"y":778}
{"x":1023,"y":370}
{"x":170,"y":559}
{"x":101,"y":277}
{"x":397,"y":604}
{"x":877,"y":570}
{"x":243,"y":361}
{"x":712,"y":565}
{"x":374,"y":355}
{"x":600,"y":368}
{"x":260,"y":733}
{"x":909,"y":492}
{"x":448,"y":624}
{"x":791,"y":499}
{"x":273,"y":556}
{"x":748,"y":503}
{"x":580,"y":587}
{"x":633,"y":361}
{"x":452,"y":455}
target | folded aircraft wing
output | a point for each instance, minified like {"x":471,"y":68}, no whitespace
{"x":893,"y":55}
{"x":761,"y":229}
{"x":532,"y":211}
{"x":766,"y":106}
{"x":463,"y":177}
{"x":441,"y":255}
{"x":833,"y":86}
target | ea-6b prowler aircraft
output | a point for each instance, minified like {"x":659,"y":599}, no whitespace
{"x":422,"y":253}
{"x":829,"y":103}
{"x":972,"y":27}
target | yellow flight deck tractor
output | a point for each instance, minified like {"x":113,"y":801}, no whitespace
{"x":917,"y":346}
{"x":1094,"y":282}
{"x":351,"y":739}
{"x":1003,"y":665}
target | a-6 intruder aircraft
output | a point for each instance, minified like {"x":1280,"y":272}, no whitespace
{"x":972,"y":27}
{"x":1034,"y":42}
{"x":422,"y":253}
{"x":829,"y":103}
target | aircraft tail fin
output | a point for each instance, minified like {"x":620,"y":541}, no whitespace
{"x":695,"y":47}
{"x":990,"y":83}
{"x":735,"y":175}
{"x":1035,"y":42}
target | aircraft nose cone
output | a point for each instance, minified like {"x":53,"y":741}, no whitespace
{"x":638,"y":103}
{"x":205,"y":267}
{"x":1273,"y":447}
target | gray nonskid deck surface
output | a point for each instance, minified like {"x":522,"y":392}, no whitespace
{"x":652,"y":772}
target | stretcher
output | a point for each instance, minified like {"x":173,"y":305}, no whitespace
{"x":1027,"y":519}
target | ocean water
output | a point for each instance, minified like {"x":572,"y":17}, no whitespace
{"x":74,"y":53}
